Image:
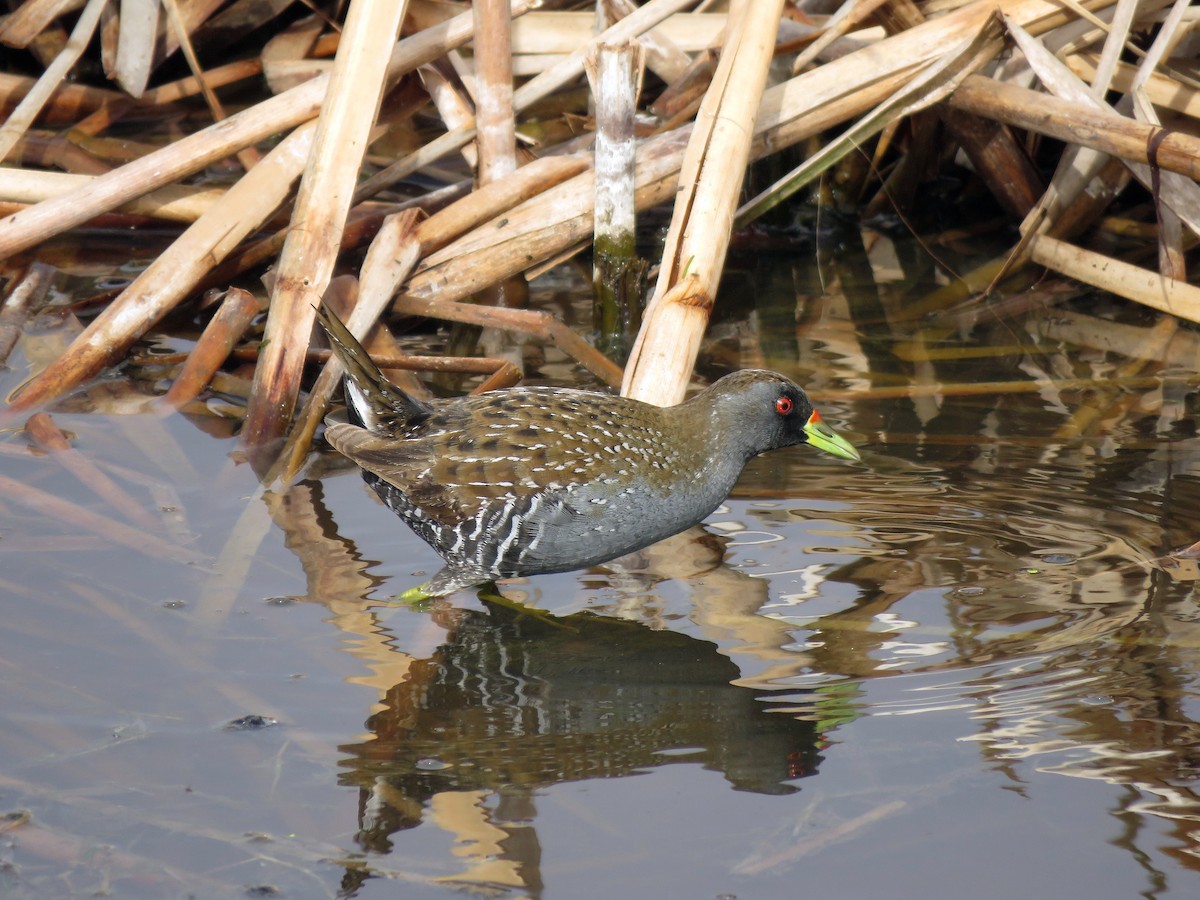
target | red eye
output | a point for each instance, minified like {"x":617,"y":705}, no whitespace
{"x":783,"y":405}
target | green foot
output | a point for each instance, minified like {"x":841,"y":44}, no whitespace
{"x":417,"y":597}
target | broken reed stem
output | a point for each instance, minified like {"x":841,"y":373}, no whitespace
{"x":792,"y":111}
{"x":220,"y":336}
{"x":25,"y":297}
{"x":1144,"y":286}
{"x":808,"y":104}
{"x":615,"y":74}
{"x":494,"y":121}
{"x":174,"y":202}
{"x":713,"y":167}
{"x":1064,"y":120}
{"x":663,"y":56}
{"x":663,"y":189}
{"x":326,"y":190}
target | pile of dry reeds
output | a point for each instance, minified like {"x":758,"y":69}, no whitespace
{"x":734,"y":82}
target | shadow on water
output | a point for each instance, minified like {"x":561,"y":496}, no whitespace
{"x":981,"y":634}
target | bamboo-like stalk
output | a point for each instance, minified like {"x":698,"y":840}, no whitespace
{"x":1141,"y":285}
{"x":326,"y":190}
{"x":496,"y":140}
{"x":661,"y":361}
{"x":223,"y":332}
{"x":174,"y":202}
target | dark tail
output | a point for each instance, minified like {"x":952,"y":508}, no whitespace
{"x":374,"y":402}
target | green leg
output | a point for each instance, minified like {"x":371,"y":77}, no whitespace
{"x":490,"y":595}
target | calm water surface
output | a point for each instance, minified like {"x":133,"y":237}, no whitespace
{"x":965,"y":667}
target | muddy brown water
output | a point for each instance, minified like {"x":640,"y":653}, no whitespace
{"x":966,"y":666}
